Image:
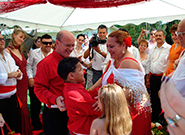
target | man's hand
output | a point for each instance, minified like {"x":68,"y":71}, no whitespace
{"x":143,"y":32}
{"x":31,"y":82}
{"x":60,"y":103}
{"x":97,"y":49}
{"x":80,"y":58}
{"x":15,"y":74}
{"x":19,"y":73}
{"x":147,"y":81}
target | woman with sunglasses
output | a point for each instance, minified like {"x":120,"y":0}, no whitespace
{"x":15,"y":48}
{"x":174,"y":52}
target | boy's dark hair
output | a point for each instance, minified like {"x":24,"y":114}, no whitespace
{"x":80,"y":35}
{"x":47,"y":36}
{"x":66,"y":66}
{"x":102,"y":27}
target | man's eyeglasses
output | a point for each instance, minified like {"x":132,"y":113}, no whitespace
{"x":2,"y":39}
{"x":46,"y":43}
{"x":179,"y":33}
{"x":152,"y":34}
{"x":67,"y":45}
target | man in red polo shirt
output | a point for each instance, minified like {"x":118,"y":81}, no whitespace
{"x":49,"y":86}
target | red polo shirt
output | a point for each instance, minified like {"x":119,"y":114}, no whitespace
{"x":79,"y":103}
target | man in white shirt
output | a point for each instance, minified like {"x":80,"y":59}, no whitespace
{"x":9,"y":73}
{"x":157,"y":60}
{"x":35,"y":57}
{"x":99,"y":54}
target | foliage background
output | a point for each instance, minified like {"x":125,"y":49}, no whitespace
{"x":134,"y":30}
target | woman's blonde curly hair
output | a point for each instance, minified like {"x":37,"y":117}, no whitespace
{"x":12,"y":42}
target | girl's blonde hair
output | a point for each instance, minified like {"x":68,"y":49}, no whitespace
{"x":115,"y":110}
{"x":12,"y":41}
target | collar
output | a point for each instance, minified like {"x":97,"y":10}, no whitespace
{"x":5,"y":54}
{"x":75,"y":85}
{"x":165,"y":45}
{"x":57,"y":56}
{"x":39,"y":50}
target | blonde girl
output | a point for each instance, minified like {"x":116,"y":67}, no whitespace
{"x":115,"y":118}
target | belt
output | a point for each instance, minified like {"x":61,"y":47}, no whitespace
{"x":96,"y":70}
{"x":6,"y":89}
{"x":157,"y":74}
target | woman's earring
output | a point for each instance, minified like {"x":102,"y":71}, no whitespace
{"x":123,"y":51}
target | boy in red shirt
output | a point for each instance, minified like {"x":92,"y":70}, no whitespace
{"x":77,"y":99}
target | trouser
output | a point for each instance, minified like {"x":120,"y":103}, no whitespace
{"x":9,"y":111}
{"x":55,"y":121}
{"x":35,"y":108}
{"x":148,"y":89}
{"x":155,"y":84}
{"x":89,"y":78}
{"x":97,"y":74}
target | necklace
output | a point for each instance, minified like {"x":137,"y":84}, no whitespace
{"x":158,"y":55}
{"x":5,"y":66}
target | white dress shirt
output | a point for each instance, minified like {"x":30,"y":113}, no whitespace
{"x":75,"y":53}
{"x":135,"y":52}
{"x":98,"y":61}
{"x":179,"y":76}
{"x":7,"y":66}
{"x":157,"y":59}
{"x":35,"y":57}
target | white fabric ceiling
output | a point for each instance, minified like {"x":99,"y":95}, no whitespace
{"x":51,"y":17}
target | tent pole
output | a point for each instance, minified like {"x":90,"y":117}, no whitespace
{"x":67,"y":18}
{"x":172,"y":4}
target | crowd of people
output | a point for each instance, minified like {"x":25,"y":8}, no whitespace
{"x":101,"y":86}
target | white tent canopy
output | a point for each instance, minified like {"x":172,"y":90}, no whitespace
{"x":51,"y":17}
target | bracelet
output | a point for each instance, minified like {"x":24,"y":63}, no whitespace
{"x":101,"y":52}
{"x":164,"y":74}
{"x":81,"y":62}
{"x":89,"y":89}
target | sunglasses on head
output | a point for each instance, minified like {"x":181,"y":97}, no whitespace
{"x":46,"y":43}
{"x":2,"y":39}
